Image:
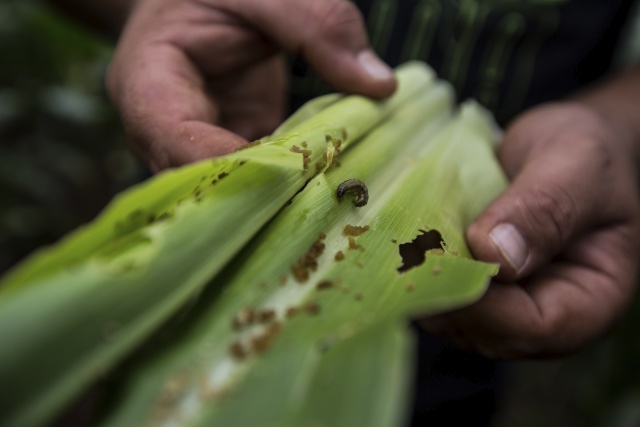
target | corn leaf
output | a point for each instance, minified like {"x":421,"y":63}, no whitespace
{"x":304,"y":327}
{"x":70,"y":312}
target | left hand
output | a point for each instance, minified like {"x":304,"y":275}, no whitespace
{"x":194,"y":79}
{"x":566,"y":234}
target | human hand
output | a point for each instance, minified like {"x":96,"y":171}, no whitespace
{"x":198,"y":78}
{"x":566,"y":234}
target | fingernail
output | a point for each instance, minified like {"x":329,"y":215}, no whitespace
{"x":374,"y":65}
{"x":511,"y":243}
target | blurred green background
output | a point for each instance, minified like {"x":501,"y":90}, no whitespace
{"x":63,"y":157}
{"x":62,"y":154}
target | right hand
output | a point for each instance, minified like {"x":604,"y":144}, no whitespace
{"x":198,"y":78}
{"x":566,"y":234}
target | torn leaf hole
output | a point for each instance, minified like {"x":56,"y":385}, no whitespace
{"x":413,"y":252}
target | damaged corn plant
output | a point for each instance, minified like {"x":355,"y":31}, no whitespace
{"x":269,"y":287}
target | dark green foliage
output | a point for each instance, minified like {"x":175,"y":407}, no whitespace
{"x":62,"y":155}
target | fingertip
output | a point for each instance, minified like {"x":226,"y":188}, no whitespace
{"x":382,"y":78}
{"x":332,"y":37}
{"x":512,"y":247}
{"x":359,"y":72}
{"x":500,"y":243}
{"x":374,"y":66}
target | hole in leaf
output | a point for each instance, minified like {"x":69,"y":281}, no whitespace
{"x":413,"y":252}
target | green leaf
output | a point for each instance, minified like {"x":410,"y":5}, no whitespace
{"x":425,"y":172}
{"x":90,"y":300}
{"x":361,"y":380}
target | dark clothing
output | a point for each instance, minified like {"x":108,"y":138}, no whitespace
{"x":509,"y":55}
{"x":452,"y":386}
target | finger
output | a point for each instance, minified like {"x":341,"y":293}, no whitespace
{"x":165,"y":109}
{"x":220,"y":42}
{"x":556,"y":312}
{"x":161,"y":80}
{"x":552,"y":198}
{"x":330,"y":34}
{"x":254,"y":100}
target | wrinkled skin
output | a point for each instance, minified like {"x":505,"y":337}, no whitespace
{"x":571,"y":219}
{"x":195,"y":79}
{"x":198,"y":78}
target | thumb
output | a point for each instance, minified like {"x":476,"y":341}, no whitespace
{"x":547,"y":204}
{"x":330,"y":34}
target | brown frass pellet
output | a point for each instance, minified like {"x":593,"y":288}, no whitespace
{"x":353,"y":245}
{"x":248,"y":145}
{"x":325,"y":284}
{"x":311,"y":308}
{"x":308,"y":262}
{"x":354,"y":230}
{"x":243,"y":318}
{"x":238,"y":351}
{"x":305,"y":153}
{"x":266,"y":316}
{"x":261,"y":342}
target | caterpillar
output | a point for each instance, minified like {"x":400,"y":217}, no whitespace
{"x":354,"y":186}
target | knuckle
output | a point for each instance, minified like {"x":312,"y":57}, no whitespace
{"x":537,"y":336}
{"x":553,"y":213}
{"x":598,"y":148}
{"x":335,"y":18}
{"x":532,"y":340}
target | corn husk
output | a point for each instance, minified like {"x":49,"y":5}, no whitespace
{"x":71,"y":312}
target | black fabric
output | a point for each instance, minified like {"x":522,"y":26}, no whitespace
{"x":453,"y":387}
{"x":509,"y":55}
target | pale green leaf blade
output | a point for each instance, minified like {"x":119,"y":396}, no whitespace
{"x":419,"y":183}
{"x":362,"y":380}
{"x":114,"y":282}
{"x":306,"y":112}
